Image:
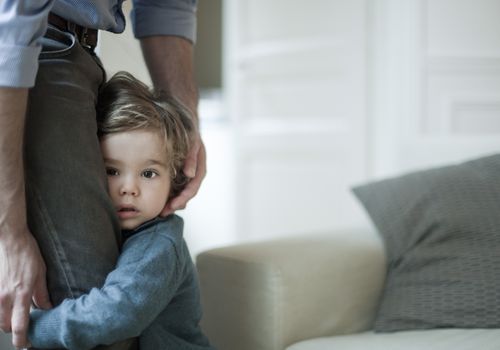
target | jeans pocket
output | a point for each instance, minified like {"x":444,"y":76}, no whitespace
{"x":56,"y":43}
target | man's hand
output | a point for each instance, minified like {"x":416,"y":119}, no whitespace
{"x":22,"y":279}
{"x":195,"y":168}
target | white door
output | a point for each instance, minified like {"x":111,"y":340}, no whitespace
{"x":436,"y":82}
{"x":296,"y":79}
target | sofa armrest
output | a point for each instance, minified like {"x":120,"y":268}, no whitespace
{"x":269,"y":295}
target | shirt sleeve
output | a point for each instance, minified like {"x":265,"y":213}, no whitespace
{"x":22,"y":24}
{"x":146,"y":278}
{"x":161,"y":17}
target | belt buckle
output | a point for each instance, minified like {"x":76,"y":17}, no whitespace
{"x":84,"y":36}
{"x":81,"y":34}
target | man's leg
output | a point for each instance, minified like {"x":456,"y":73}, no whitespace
{"x":70,"y":213}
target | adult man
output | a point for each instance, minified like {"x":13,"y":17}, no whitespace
{"x":74,"y":225}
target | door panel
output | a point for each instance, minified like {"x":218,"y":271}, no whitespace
{"x":296,"y":78}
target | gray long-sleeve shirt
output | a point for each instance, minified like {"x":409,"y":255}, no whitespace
{"x":152,"y":293}
{"x":24,"y":22}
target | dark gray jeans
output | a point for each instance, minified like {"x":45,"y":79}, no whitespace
{"x":69,"y":211}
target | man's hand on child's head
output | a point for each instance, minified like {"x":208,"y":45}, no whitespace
{"x":195,"y":168}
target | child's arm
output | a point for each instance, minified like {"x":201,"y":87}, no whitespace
{"x":146,"y":278}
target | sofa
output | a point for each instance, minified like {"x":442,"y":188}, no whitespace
{"x":426,"y":276}
{"x":314,"y":292}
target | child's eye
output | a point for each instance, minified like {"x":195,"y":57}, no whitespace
{"x":149,"y":174}
{"x":111,"y":172}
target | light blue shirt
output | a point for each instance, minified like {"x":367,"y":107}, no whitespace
{"x":24,"y":22}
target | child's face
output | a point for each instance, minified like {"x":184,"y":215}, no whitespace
{"x":138,"y":175}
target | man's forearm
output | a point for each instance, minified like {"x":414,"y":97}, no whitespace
{"x":170,"y":64}
{"x":22,"y":269}
{"x":12,"y":198}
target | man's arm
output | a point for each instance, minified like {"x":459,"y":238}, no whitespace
{"x":22,"y":269}
{"x":170,"y":62}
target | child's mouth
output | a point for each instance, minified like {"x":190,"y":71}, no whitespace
{"x":127,"y":212}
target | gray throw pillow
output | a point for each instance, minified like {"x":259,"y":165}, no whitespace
{"x":441,"y":229}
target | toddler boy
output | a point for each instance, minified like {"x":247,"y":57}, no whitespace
{"x":153,"y":292}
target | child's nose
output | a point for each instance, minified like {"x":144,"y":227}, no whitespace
{"x":126,"y":191}
{"x":129,"y":187}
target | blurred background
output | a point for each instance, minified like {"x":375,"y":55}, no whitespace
{"x":300,"y":100}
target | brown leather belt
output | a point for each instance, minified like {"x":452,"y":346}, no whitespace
{"x":86,"y":36}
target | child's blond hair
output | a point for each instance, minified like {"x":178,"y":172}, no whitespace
{"x":126,"y":104}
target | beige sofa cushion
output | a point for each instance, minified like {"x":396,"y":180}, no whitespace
{"x":443,"y":339}
{"x":268,"y":295}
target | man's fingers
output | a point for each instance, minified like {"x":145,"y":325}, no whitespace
{"x":190,"y":164}
{"x":193,"y":185}
{"x":20,"y":320}
{"x":177,"y":203}
{"x":41,"y":297}
{"x":189,"y":192}
{"x":167,"y":210}
{"x":5,"y":312}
